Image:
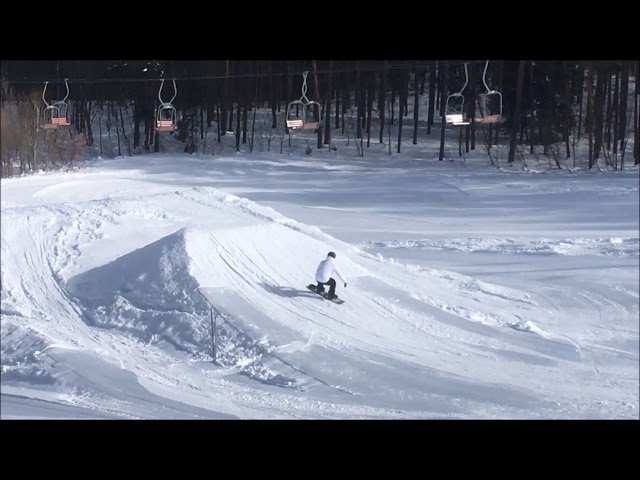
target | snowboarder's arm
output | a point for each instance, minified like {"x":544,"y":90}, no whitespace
{"x":339,"y":273}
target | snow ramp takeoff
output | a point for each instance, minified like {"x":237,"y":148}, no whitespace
{"x":401,"y":338}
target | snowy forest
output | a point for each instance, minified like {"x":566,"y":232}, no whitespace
{"x":113,"y":108}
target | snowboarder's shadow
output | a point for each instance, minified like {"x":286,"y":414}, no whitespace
{"x":289,"y":292}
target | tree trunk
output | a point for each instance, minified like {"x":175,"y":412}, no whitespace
{"x":371,"y":91}
{"x":548,"y":106}
{"x":598,"y":112}
{"x":137,"y":114}
{"x":363,"y":101}
{"x":432,"y":97}
{"x":219,"y":123}
{"x":345,"y":101}
{"x":272,"y":100}
{"x":255,"y":106}
{"x":327,"y":110}
{"x":201,"y":122}
{"x":616,"y":98}
{"x":497,"y":125}
{"x":358,"y":101}
{"x":402,"y":93}
{"x":609,"y":110}
{"x":382,"y":98}
{"x":244,"y":123}
{"x":636,"y":120}
{"x":416,"y":105}
{"x":338,"y":96}
{"x":393,"y":97}
{"x":124,"y":133}
{"x":100,"y":124}
{"x":87,"y":116}
{"x":589,"y":119}
{"x":224,"y":102}
{"x":580,"y":98}
{"x":624,"y":93}
{"x":532,"y":108}
{"x":567,"y":109}
{"x":115,"y":115}
{"x":316,"y":86}
{"x":438,"y":88}
{"x":237,"y":132}
{"x":516,"y":112}
{"x":471,"y":129}
{"x":443,"y":121}
{"x":289,"y":94}
{"x":147,"y":129}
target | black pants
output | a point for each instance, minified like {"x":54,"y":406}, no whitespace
{"x":332,"y":287}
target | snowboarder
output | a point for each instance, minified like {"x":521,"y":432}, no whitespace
{"x":324,"y":275}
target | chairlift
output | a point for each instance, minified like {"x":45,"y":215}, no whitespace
{"x":166,"y":113}
{"x":62,"y":117}
{"x":56,"y":114}
{"x":306,"y":109}
{"x":454,"y":108}
{"x":491,"y":108}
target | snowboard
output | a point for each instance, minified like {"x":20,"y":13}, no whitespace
{"x":336,"y":300}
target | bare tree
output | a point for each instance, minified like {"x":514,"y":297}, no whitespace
{"x":402,"y":93}
{"x":636,"y":126}
{"x":624,"y":94}
{"x":432,"y":97}
{"x":338,"y":89}
{"x":382,"y":98}
{"x":566,"y":109}
{"x":616,"y":120}
{"x":598,"y":110}
{"x":327,"y":110}
{"x":589,"y":118}
{"x":609,"y":109}
{"x":416,"y":105}
{"x":370,"y":92}
{"x":444,"y":85}
{"x":516,"y":112}
{"x":316,"y":85}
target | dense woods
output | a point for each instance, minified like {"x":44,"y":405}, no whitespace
{"x":549,"y":108}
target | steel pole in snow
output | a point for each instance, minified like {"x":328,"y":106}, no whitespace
{"x":213,"y":336}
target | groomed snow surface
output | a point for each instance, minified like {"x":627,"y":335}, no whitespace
{"x":473,"y":292}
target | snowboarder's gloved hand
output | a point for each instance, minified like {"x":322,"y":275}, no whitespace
{"x":345,"y":284}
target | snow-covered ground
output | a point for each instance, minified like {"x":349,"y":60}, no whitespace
{"x":473,"y":292}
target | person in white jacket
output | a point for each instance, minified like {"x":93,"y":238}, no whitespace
{"x":325,"y":273}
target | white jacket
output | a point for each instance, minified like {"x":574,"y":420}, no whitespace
{"x":326,"y":269}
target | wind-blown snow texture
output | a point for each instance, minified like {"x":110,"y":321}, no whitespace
{"x":472,"y":293}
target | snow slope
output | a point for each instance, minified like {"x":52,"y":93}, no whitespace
{"x":471,"y":294}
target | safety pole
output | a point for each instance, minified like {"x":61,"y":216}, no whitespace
{"x":213,"y":335}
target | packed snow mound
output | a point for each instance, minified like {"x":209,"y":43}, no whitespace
{"x":154,"y":290}
{"x":262,"y":254}
{"x":155,"y":275}
{"x":154,"y":293}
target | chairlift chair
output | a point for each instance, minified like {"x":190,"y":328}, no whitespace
{"x":56,"y":114}
{"x":166,"y":113}
{"x":61,"y":113}
{"x":61,"y":116}
{"x":491,"y":110}
{"x":48,"y":115}
{"x":307,"y":120}
{"x":454,"y":107}
{"x":454,"y":113}
{"x":166,"y":118}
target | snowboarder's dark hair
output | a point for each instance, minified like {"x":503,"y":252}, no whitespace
{"x":331,"y":254}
